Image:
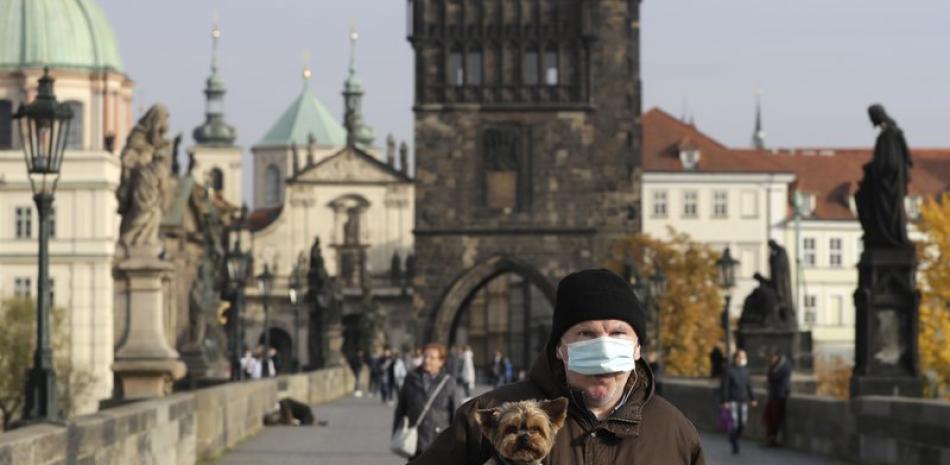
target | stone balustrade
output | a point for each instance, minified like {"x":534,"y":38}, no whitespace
{"x":181,"y":429}
{"x":872,"y":430}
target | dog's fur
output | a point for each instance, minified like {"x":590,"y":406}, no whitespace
{"x":523,"y":432}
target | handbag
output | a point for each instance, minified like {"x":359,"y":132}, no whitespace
{"x":725,"y":418}
{"x":405,"y":440}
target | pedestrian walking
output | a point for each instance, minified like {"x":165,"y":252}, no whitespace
{"x":372,"y":364}
{"x":468,"y":371}
{"x":593,"y":359}
{"x":780,"y":387}
{"x":433,"y":384}
{"x":399,"y":372}
{"x":384,"y":365}
{"x":736,"y":395}
{"x":498,"y":369}
{"x":355,"y":360}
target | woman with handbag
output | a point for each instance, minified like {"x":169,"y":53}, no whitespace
{"x":427,"y":401}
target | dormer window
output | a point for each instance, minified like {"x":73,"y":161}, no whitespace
{"x":804,"y":204}
{"x":689,"y":157}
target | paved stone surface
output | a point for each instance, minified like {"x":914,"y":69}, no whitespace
{"x":358,"y":434}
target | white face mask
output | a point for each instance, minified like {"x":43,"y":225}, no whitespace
{"x":602,"y":355}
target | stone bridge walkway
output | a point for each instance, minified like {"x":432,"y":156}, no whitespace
{"x":358,"y":429}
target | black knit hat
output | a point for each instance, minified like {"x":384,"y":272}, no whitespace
{"x":595,"y":295}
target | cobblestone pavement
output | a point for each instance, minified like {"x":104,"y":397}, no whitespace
{"x":358,"y":434}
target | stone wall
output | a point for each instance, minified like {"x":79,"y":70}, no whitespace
{"x":178,"y":430}
{"x":872,"y":430}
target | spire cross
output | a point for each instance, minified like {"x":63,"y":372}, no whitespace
{"x":354,"y":36}
{"x":307,"y":73}
{"x":215,"y":35}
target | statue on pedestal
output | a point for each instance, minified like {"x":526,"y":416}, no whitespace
{"x":326,"y":301}
{"x":880,"y":199}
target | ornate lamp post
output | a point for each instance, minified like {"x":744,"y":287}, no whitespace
{"x":727,"y":280}
{"x":44,"y":126}
{"x":265,"y":284}
{"x":657,"y":288}
{"x":237,"y":264}
{"x":296,"y":290}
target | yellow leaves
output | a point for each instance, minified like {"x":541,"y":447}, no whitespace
{"x":689,"y":312}
{"x":934,"y":334}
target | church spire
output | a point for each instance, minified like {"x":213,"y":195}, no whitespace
{"x":214,"y":131}
{"x":758,"y":135}
{"x":357,"y":132}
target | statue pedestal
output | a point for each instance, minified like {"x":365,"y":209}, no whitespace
{"x":145,"y":363}
{"x":334,"y":355}
{"x":759,"y":343}
{"x":204,"y":369}
{"x":886,"y":360}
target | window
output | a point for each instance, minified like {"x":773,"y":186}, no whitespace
{"x":811,"y":309}
{"x":24,"y":222}
{"x":6,"y":124}
{"x":808,"y":251}
{"x":690,"y":204}
{"x":659,"y":204}
{"x":473,"y":67}
{"x":720,"y":204}
{"x":22,"y":287}
{"x":74,"y":136}
{"x":835,"y":254}
{"x":529,"y":67}
{"x":217,"y":179}
{"x":456,"y":71}
{"x":550,"y":66}
{"x":501,"y":155}
{"x":272,"y":185}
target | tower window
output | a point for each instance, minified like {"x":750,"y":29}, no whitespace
{"x":6,"y":124}
{"x":456,"y":71}
{"x":550,"y":67}
{"x":272,"y":185}
{"x":501,"y":148}
{"x":473,"y":67}
{"x":529,"y":67}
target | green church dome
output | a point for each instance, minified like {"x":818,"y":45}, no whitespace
{"x":58,"y":34}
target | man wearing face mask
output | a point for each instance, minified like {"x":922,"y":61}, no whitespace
{"x":593,"y":358}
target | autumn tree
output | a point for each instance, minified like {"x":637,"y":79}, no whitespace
{"x":934,"y":336}
{"x":691,"y":308}
{"x":17,"y":343}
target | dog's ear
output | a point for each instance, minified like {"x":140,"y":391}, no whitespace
{"x":487,"y":418}
{"x":556,"y":410}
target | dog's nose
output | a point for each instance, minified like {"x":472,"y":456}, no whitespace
{"x":522,"y":440}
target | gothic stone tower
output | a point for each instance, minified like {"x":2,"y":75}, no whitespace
{"x":527,"y":143}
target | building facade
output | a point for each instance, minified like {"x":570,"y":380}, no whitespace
{"x":76,"y":41}
{"x":527,"y":144}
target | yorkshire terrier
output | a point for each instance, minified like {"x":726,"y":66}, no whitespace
{"x":523,"y":432}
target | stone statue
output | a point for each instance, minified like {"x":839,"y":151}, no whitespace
{"x":761,"y":307}
{"x":404,"y":158}
{"x":146,"y":163}
{"x":295,"y":157}
{"x":390,"y":150}
{"x":780,"y":276}
{"x":880,"y":199}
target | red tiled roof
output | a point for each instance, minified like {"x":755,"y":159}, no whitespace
{"x":831,"y":174}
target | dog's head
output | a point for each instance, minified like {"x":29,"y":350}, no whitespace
{"x":523,"y":431}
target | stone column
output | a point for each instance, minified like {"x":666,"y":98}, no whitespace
{"x":144,"y":362}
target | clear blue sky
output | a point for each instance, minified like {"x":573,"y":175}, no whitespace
{"x":819,"y":63}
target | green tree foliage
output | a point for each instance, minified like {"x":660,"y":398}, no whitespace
{"x":691,"y":308}
{"x":934,"y":334}
{"x":17,"y":343}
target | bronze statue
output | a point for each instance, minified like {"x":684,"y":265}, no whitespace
{"x":780,"y":277}
{"x":146,"y":163}
{"x":880,"y":199}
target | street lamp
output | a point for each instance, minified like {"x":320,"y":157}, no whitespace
{"x":296,"y":289}
{"x":727,"y":280}
{"x":658,"y":285}
{"x":265,"y":284}
{"x":44,"y":128}
{"x":237,"y":264}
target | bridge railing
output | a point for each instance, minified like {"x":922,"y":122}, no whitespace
{"x":181,"y":429}
{"x":872,"y":430}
